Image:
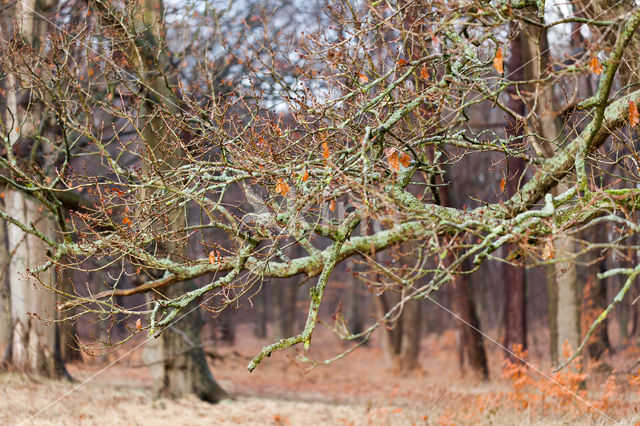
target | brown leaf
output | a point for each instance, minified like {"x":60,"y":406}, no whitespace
{"x":424,"y":72}
{"x":282,"y":187}
{"x":595,"y":65}
{"x":498,"y":61}
{"x":503,"y":183}
{"x":325,"y":150}
{"x":405,"y":160}
{"x":127,"y":221}
{"x":363,"y":78}
{"x":634,"y":117}
{"x":139,"y":324}
{"x":332,"y":205}
{"x":548,"y":251}
{"x":305,"y":175}
{"x":394,"y":160}
{"x":401,"y":62}
{"x":212,"y":257}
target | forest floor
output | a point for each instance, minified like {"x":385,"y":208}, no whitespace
{"x":357,"y":390}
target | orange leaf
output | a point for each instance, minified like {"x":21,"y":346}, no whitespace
{"x":634,"y":117}
{"x":402,"y":62}
{"x":282,"y":187}
{"x":332,"y":205}
{"x":363,"y":78}
{"x":595,"y":65}
{"x":405,"y":160}
{"x":548,"y":251}
{"x":127,"y":221}
{"x":394,"y":160}
{"x":424,"y":72}
{"x":305,"y":175}
{"x":212,"y":257}
{"x":503,"y":183}
{"x":498,"y":61}
{"x":325,"y":150}
{"x":139,"y":324}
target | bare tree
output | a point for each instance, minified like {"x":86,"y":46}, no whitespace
{"x":374,"y":129}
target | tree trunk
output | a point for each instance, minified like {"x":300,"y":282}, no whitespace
{"x":354,"y":301}
{"x":407,"y":358}
{"x":284,"y":307}
{"x":176,"y":358}
{"x":515,"y":314}
{"x":5,"y":294}
{"x":260,"y":311}
{"x":594,"y":296}
{"x":471,"y":340}
{"x":400,"y":342}
{"x":34,"y":344}
{"x":391,"y":336}
{"x":568,"y":309}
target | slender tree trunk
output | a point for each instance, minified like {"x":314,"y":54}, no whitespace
{"x":260,"y":310}
{"x":284,"y":307}
{"x":407,"y":358}
{"x":5,"y":294}
{"x":471,"y":339}
{"x":594,"y":296}
{"x":391,"y":337}
{"x":568,"y":311}
{"x":515,"y":315}
{"x":354,"y":302}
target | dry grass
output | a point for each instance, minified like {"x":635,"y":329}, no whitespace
{"x":358,"y":390}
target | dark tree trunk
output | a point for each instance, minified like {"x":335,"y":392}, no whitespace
{"x":594,"y":295}
{"x":515,"y":317}
{"x":407,"y":359}
{"x":391,"y":336}
{"x":354,"y":301}
{"x":260,"y":310}
{"x":227,"y":326}
{"x":284,"y":307}
{"x":471,"y":339}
